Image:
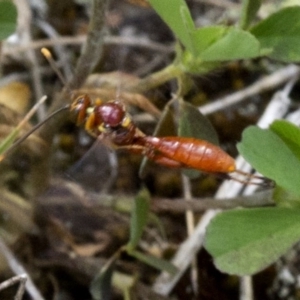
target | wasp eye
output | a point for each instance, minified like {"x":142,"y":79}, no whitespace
{"x":80,"y":106}
{"x":81,"y":103}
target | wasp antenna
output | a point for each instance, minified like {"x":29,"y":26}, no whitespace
{"x":36,"y":127}
{"x":5,"y":144}
{"x":31,"y":112}
{"x":47,"y":54}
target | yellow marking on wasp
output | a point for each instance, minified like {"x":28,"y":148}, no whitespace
{"x":102,"y":128}
{"x":126,"y":121}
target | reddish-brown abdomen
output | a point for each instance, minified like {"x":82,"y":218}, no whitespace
{"x":193,"y":153}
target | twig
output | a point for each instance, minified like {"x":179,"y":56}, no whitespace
{"x":187,"y":195}
{"x":200,"y":205}
{"x":60,"y":50}
{"x":80,"y":39}
{"x":246,"y":288}
{"x":6,"y":145}
{"x":264,"y":84}
{"x":21,"y":279}
{"x":139,"y":42}
{"x":159,"y":59}
{"x":162,"y":205}
{"x":92,"y":49}
{"x":18,"y":269}
{"x":24,"y":21}
{"x":155,"y":79}
{"x":190,"y":222}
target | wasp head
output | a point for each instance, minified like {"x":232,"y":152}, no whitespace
{"x":80,"y":106}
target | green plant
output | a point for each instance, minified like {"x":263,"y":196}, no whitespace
{"x":241,"y":241}
{"x":206,"y":48}
{"x":101,"y":285}
{"x":8,"y":18}
{"x":244,"y":241}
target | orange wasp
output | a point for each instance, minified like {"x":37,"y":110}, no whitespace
{"x":111,"y":122}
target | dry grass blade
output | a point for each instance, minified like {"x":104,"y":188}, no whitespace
{"x":21,"y":279}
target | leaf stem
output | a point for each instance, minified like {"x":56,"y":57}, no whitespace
{"x":156,"y":79}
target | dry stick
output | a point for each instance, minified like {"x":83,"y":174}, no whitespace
{"x":24,"y":28}
{"x":155,"y":79}
{"x":200,"y":205}
{"x":175,"y":206}
{"x":190,"y":222}
{"x":264,"y":84}
{"x":60,"y":50}
{"x":246,"y":288}
{"x":147,"y":68}
{"x":182,"y":259}
{"x":31,"y":131}
{"x":139,"y":42}
{"x":17,"y":268}
{"x":31,"y":112}
{"x":7,"y":142}
{"x":92,"y":49}
{"x":21,"y":279}
{"x":80,"y":39}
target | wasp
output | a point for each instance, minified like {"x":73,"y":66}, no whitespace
{"x":111,"y":122}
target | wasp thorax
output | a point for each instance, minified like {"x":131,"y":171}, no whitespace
{"x":124,"y":135}
{"x":110,"y":114}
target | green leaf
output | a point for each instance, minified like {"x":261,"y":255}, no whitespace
{"x":156,"y":221}
{"x":289,"y":133}
{"x":284,"y":198}
{"x":8,"y":18}
{"x":177,"y":16}
{"x":9,"y":139}
{"x":234,"y":44}
{"x":246,"y":241}
{"x":100,"y":287}
{"x":206,"y":36}
{"x":281,"y":32}
{"x":216,"y":43}
{"x":139,"y":218}
{"x":191,"y":123}
{"x":272,"y":157}
{"x":249,"y":10}
{"x":155,"y":262}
